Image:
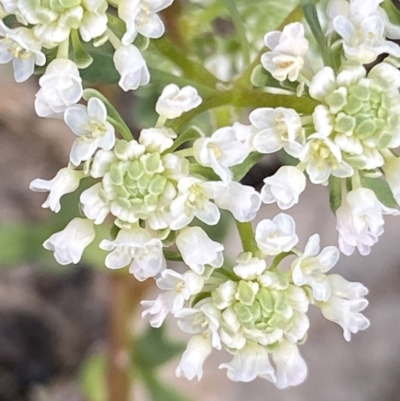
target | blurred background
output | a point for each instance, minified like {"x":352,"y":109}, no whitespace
{"x":61,"y":337}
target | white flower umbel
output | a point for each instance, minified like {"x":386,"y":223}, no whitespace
{"x":141,"y":17}
{"x":277,"y":128}
{"x":310,"y":268}
{"x":284,"y":187}
{"x":66,"y":181}
{"x":362,"y":26}
{"x":248,"y":267}
{"x":291,"y":369}
{"x":359,"y":113}
{"x":132,"y":67}
{"x":52,"y":23}
{"x":135,"y":247}
{"x":22,"y":48}
{"x":276,"y":235}
{"x":173,"y":101}
{"x":345,"y":304}
{"x":92,"y":128}
{"x":61,"y":87}
{"x":220,"y":151}
{"x":249,"y":363}
{"x":198,"y":250}
{"x":179,"y":287}
{"x":191,"y":364}
{"x":288,"y":49}
{"x":68,"y":245}
{"x":360,"y":221}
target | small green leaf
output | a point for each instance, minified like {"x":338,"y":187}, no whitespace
{"x":241,"y":170}
{"x":93,"y":378}
{"x":190,"y":134}
{"x":204,"y":172}
{"x":79,"y":56}
{"x":381,"y":189}
{"x":154,"y":349}
{"x":335,"y":193}
{"x":158,"y":391}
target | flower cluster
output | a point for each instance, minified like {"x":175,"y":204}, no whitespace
{"x":337,"y":118}
{"x":41,"y":34}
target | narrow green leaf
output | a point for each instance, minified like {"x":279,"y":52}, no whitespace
{"x":190,"y":134}
{"x":113,"y":115}
{"x":79,"y":55}
{"x":93,"y":378}
{"x":154,"y":349}
{"x":381,"y":189}
{"x":241,"y":170}
{"x":158,"y":391}
{"x":335,"y":193}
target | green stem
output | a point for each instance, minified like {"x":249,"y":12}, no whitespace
{"x":278,"y":259}
{"x":310,"y":13}
{"x":241,"y":32}
{"x":126,"y":134}
{"x":246,"y":234}
{"x":63,"y":49}
{"x":190,"y":68}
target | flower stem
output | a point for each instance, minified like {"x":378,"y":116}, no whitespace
{"x":246,"y":234}
{"x":240,"y":30}
{"x":63,"y":49}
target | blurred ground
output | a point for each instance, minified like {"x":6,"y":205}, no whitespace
{"x":48,"y":322}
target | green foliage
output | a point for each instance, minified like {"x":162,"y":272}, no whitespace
{"x":381,"y":189}
{"x":241,"y":170}
{"x":92,"y":378}
{"x":335,"y":193}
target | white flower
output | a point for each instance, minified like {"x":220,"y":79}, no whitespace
{"x":248,"y":267}
{"x":310,"y":268}
{"x":157,"y":139}
{"x":289,"y":47}
{"x":141,"y":17}
{"x":52,"y":23}
{"x":22,"y":48}
{"x":345,"y":305}
{"x":360,"y":221}
{"x":180,"y":287}
{"x":220,"y":151}
{"x":392,"y":175}
{"x":204,"y":319}
{"x":276,"y":235}
{"x":250,"y":362}
{"x":135,"y":247}
{"x":224,"y":295}
{"x":68,"y":245}
{"x":361,"y":25}
{"x":158,"y":309}
{"x":284,"y":187}
{"x":93,"y":206}
{"x":192,"y":201}
{"x":92,"y":128}
{"x":191,"y":364}
{"x":66,"y":181}
{"x":198,"y":250}
{"x":291,"y":369}
{"x":241,"y":200}
{"x":173,"y":101}
{"x":278,"y":128}
{"x":322,"y":155}
{"x":61,"y":87}
{"x":132,"y":67}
